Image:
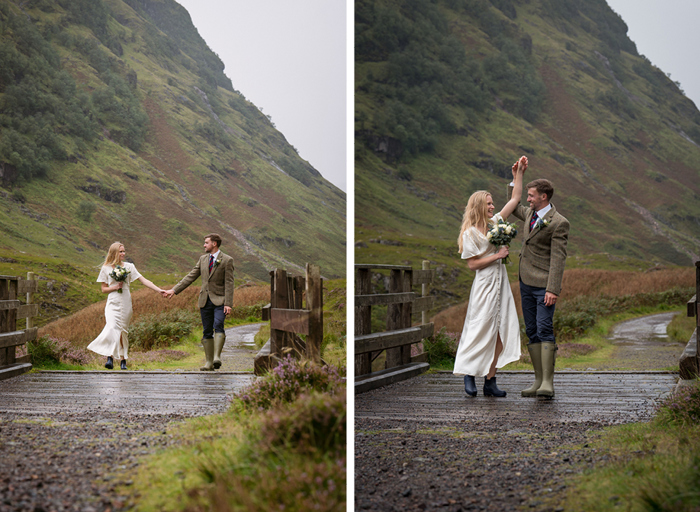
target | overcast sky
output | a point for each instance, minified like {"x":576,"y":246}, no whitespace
{"x":288,"y":58}
{"x":666,"y":32}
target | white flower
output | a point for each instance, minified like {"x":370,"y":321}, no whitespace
{"x":508,"y":230}
{"x":489,"y":235}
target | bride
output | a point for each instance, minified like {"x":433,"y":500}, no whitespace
{"x":113,"y":341}
{"x":491,"y":334}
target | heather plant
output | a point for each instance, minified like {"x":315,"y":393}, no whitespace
{"x":162,"y":329}
{"x":289,"y":380}
{"x":316,"y":421}
{"x":48,"y":350}
{"x":681,"y":407}
{"x":441,"y":347}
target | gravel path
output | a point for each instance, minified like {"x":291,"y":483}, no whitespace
{"x":422,"y":445}
{"x":68,"y":440}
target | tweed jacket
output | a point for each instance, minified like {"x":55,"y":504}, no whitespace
{"x":543,"y":255}
{"x":218,"y":286}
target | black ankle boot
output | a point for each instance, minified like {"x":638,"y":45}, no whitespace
{"x":123,"y":367}
{"x":469,"y":385}
{"x":110,"y":363}
{"x":490,"y":388}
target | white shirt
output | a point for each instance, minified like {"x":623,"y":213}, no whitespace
{"x":216,"y":255}
{"x":543,"y":211}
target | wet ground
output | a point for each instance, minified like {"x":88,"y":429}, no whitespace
{"x":68,"y":440}
{"x":424,"y":445}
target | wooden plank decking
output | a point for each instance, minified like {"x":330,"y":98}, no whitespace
{"x":183,"y":393}
{"x":610,"y":397}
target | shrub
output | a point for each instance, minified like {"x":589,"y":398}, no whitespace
{"x":162,"y":329}
{"x":441,"y":346}
{"x":47,"y":350}
{"x":315,"y":422}
{"x":286,"y":382}
{"x":682,"y":407}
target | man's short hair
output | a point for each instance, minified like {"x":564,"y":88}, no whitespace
{"x":543,"y":186}
{"x":215,"y":238}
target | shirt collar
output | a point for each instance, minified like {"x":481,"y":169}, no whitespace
{"x":216,"y":254}
{"x":543,"y":211}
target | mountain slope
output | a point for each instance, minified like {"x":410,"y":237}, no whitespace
{"x":450,"y":93}
{"x":118,"y":123}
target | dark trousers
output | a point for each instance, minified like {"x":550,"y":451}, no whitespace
{"x":537,"y":316}
{"x":212,"y":319}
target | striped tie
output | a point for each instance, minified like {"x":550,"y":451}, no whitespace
{"x":533,"y":221}
{"x":211,"y":262}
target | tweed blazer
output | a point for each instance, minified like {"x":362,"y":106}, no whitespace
{"x":218,"y":286}
{"x":543,"y":255}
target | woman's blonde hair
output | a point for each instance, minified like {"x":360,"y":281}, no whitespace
{"x":113,"y":254}
{"x":475,"y":213}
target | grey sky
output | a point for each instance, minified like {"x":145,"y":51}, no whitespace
{"x":665,"y":31}
{"x":288,"y":58}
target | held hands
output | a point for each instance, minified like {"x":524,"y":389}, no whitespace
{"x":167,"y":293}
{"x":520,"y":166}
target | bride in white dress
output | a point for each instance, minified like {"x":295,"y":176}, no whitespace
{"x":491,"y":334}
{"x":113,"y":341}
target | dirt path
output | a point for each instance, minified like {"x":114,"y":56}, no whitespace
{"x":69,"y":439}
{"x":642,"y":344}
{"x":424,"y":445}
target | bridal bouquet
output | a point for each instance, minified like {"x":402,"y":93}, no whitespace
{"x":119,"y":274}
{"x":501,"y":233}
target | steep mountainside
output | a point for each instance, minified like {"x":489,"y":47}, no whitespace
{"x":118,"y":123}
{"x":449,"y":93}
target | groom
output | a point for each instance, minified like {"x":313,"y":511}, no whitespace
{"x":542,"y":261}
{"x":215,"y":297}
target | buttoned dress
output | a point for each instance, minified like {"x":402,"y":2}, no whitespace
{"x":113,"y":340}
{"x":491,"y":311}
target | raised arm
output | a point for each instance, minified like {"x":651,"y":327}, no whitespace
{"x":519,"y":168}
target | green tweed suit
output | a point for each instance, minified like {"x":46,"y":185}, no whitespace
{"x":543,"y":254}
{"x":218,"y":286}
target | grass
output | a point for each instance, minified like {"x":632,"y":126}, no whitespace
{"x":654,"y":466}
{"x":263,"y":453}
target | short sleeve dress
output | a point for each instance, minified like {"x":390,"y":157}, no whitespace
{"x":113,"y":340}
{"x":491,"y":310}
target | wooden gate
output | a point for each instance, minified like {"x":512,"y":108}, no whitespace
{"x":689,"y":364}
{"x":288,"y":318}
{"x":11,"y":288}
{"x":400,"y":332}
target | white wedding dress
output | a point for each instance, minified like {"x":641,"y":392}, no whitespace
{"x":491,"y":310}
{"x":113,"y":340}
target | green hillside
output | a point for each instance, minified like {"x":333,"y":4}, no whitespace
{"x":117,"y":122}
{"x":449,"y":93}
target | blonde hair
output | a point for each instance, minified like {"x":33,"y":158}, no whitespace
{"x":113,"y":254}
{"x":475,"y":214}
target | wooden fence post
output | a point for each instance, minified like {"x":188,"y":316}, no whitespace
{"x":394,"y":317}
{"x":424,"y":291}
{"x":30,"y":297}
{"x":363,"y":319}
{"x":314,"y":303}
{"x":406,"y":314}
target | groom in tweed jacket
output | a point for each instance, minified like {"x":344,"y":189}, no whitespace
{"x":542,"y":261}
{"x":215,"y":297}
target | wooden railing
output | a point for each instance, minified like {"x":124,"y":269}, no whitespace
{"x":288,"y":318}
{"x":11,"y":288}
{"x":689,"y":364}
{"x":400,"y":332}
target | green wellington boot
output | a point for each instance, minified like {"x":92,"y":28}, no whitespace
{"x":208,"y":345}
{"x":219,"y":340}
{"x":535,"y":350}
{"x":549,"y":354}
